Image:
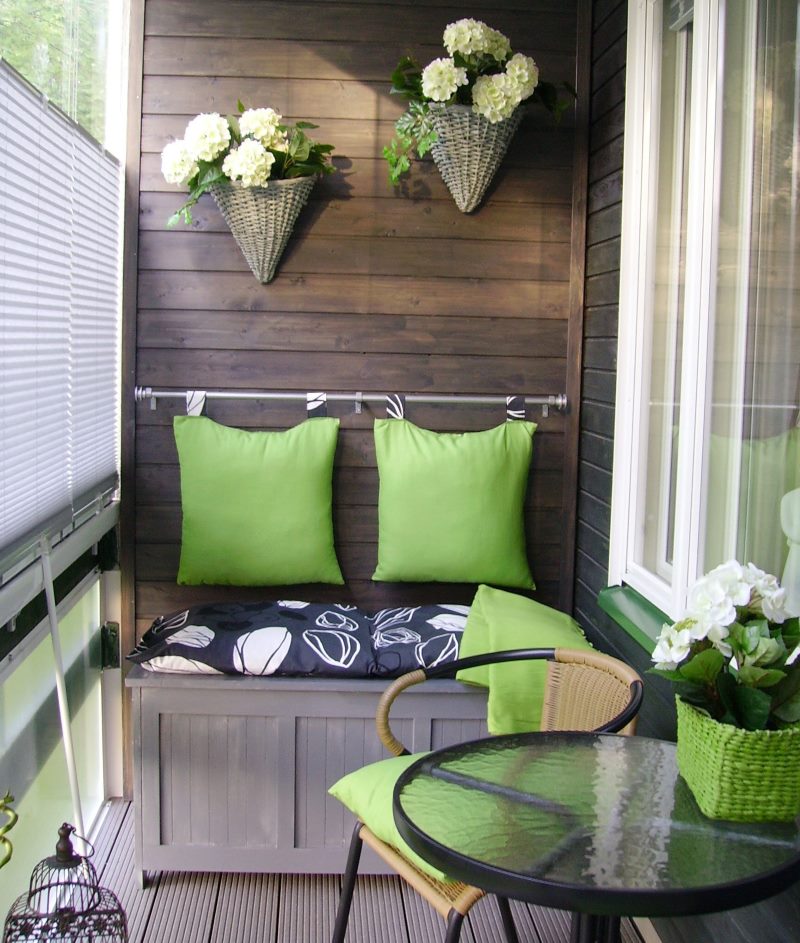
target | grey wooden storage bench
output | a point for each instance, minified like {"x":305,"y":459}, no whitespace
{"x":231,"y":772}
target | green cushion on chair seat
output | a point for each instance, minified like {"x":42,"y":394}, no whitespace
{"x":367,"y":792}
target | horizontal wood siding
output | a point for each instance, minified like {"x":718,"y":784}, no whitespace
{"x":776,"y":920}
{"x":378,"y":290}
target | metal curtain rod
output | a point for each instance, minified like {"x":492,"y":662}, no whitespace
{"x":554,"y":400}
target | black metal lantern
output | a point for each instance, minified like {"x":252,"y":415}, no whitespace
{"x":65,"y":902}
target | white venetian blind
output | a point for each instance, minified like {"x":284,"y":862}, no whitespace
{"x":59,"y":316}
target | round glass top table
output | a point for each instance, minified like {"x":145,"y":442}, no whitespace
{"x":598,"y":824}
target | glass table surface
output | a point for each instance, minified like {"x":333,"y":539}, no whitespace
{"x":596,"y":823}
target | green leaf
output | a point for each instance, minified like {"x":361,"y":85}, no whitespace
{"x":240,"y":106}
{"x":407,"y":78}
{"x":788,"y":710}
{"x":704,"y":667}
{"x":302,"y":150}
{"x":786,"y":697}
{"x":210,"y":174}
{"x":790,"y":632}
{"x":748,"y":707}
{"x":755,"y":677}
{"x":305,"y":124}
{"x":752,"y":707}
{"x":767,"y":652}
{"x":667,"y":673}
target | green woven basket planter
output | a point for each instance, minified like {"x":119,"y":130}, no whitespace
{"x":261,"y":218}
{"x":468,"y":150}
{"x":741,"y":775}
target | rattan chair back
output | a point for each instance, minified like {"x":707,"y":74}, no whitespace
{"x":585,"y":690}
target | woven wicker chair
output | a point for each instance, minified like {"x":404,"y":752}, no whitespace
{"x":585,"y":690}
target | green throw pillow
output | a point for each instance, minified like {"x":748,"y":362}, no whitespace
{"x":450,"y":506}
{"x":367,"y":793}
{"x":256,"y":505}
{"x":498,"y":621}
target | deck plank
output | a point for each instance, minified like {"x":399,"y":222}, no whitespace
{"x":119,"y":876}
{"x":268,"y":908}
{"x":307,"y":907}
{"x":184,"y":907}
{"x":247,"y":909}
{"x":378,"y":911}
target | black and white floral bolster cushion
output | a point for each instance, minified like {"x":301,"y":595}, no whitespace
{"x":290,"y":637}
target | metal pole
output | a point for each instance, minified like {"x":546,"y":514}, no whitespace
{"x":557,"y":400}
{"x":61,"y":688}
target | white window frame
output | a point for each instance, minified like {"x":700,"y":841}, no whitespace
{"x":637,"y":251}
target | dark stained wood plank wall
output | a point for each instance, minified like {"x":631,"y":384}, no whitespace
{"x":378,"y":289}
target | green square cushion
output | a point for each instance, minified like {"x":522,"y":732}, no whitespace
{"x":367,"y":793}
{"x":256,"y":505}
{"x":450,"y":506}
{"x":498,"y":621}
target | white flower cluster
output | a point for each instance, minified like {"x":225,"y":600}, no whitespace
{"x":496,"y":96}
{"x":207,"y":136}
{"x":715,"y":602}
{"x":262,"y":124}
{"x":250,"y":162}
{"x":177,"y":164}
{"x":523,"y":73}
{"x":469,"y":37}
{"x":441,"y":79}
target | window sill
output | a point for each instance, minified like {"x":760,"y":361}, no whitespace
{"x":633,"y":613}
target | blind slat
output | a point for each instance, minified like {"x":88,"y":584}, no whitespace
{"x":59,"y":313}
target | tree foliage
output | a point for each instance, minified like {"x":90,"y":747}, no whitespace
{"x":60,"y":46}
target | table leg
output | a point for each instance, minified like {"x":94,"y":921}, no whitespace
{"x":590,"y":928}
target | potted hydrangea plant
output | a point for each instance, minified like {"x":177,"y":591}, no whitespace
{"x":734,"y":658}
{"x":465,"y":108}
{"x":259,"y":170}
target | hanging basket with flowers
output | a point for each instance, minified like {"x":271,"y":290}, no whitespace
{"x":735,"y":660}
{"x":259,"y":170}
{"x":465,"y":108}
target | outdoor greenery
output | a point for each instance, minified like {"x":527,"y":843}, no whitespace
{"x":60,"y":47}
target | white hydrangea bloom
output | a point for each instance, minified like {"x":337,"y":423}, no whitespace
{"x":497,"y":44}
{"x":523,"y":72}
{"x":465,"y":36}
{"x":441,"y":79}
{"x":773,"y":605}
{"x":177,"y":164}
{"x":713,"y":598}
{"x":250,"y":162}
{"x":494,"y":97}
{"x":672,"y":646}
{"x":207,"y":136}
{"x":769,"y":597}
{"x":717,"y":634}
{"x":469,"y":36}
{"x":262,"y":124}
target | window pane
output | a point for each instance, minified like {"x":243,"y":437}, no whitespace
{"x":657,"y":507}
{"x":32,"y":763}
{"x":71,"y":51}
{"x":754,"y":450}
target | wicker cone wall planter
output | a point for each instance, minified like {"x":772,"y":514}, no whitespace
{"x":740,"y":775}
{"x":261,"y":219}
{"x":469,"y":149}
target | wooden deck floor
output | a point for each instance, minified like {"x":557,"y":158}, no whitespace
{"x":271,"y":908}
